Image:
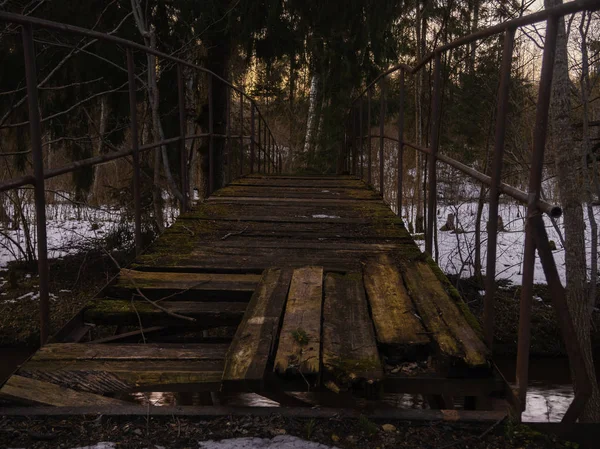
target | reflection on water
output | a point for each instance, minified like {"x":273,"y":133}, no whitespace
{"x":546,"y":402}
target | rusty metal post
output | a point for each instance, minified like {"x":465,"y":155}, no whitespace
{"x":35,"y":129}
{"x":535,"y":181}
{"x":259,"y":143}
{"x":381,"y":134}
{"x":435,"y":125}
{"x":136,"y":152}
{"x":400,"y":145}
{"x":362,"y":141}
{"x":211,"y":138}
{"x":502,"y":111}
{"x":228,"y":133}
{"x":369,"y":136}
{"x":565,"y":321}
{"x":241,"y":167}
{"x":252,"y":137}
{"x":182,"y":132}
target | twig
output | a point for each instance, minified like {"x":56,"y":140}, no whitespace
{"x":464,"y":440}
{"x":226,"y":236}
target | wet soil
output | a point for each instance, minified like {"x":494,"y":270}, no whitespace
{"x":177,"y":432}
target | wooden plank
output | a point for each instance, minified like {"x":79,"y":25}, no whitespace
{"x":350,"y":354}
{"x":131,"y":312}
{"x":399,"y":330}
{"x":128,"y":352}
{"x":183,"y":286}
{"x":253,"y":345}
{"x":113,"y":376}
{"x":300,"y":337}
{"x":450,"y":330}
{"x":314,"y":246}
{"x":186,"y":281}
{"x":23,"y":389}
{"x":307,"y":201}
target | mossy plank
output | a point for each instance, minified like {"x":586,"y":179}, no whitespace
{"x":258,"y":199}
{"x":299,"y":347}
{"x":399,"y":331}
{"x":128,"y":352}
{"x":115,"y":311}
{"x":112,"y":376}
{"x":33,"y":391}
{"x":145,"y":280}
{"x":451,"y":331}
{"x":309,"y":193}
{"x":350,"y":352}
{"x":252,"y":348}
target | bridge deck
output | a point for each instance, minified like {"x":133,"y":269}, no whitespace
{"x":274,"y":284}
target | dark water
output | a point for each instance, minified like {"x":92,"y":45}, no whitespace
{"x":549,"y":395}
{"x":550,"y":391}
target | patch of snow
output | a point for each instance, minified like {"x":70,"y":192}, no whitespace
{"x":278,"y":442}
{"x":325,"y":216}
{"x":481,"y":292}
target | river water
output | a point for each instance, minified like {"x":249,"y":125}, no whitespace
{"x":549,"y":395}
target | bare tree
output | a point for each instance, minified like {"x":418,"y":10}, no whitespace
{"x":570,"y":184}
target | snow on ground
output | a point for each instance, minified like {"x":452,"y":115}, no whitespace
{"x":68,"y":228}
{"x":456,"y":250}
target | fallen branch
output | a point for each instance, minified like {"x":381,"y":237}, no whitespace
{"x":226,"y":236}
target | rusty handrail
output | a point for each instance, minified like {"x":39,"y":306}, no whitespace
{"x":560,"y":10}
{"x":270,"y":148}
{"x":535,"y":234}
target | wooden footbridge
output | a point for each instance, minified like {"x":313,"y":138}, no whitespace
{"x":288,"y":285}
{"x":275,"y":284}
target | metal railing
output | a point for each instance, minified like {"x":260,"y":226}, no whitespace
{"x":353,"y":154}
{"x":264,"y":153}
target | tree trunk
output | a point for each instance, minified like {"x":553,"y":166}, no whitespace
{"x":311,"y":121}
{"x":100,"y":147}
{"x":568,"y":160}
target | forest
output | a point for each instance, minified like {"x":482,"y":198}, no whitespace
{"x":309,"y":72}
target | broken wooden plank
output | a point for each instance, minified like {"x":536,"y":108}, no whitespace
{"x":441,"y":316}
{"x":300,"y":337}
{"x":179,"y":286}
{"x":120,"y":376}
{"x":350,"y":354}
{"x":253,"y":345}
{"x":118,"y":311}
{"x":129,"y":352}
{"x":32,"y":391}
{"x":398,"y":328}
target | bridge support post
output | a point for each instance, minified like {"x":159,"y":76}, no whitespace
{"x":241,"y":161}
{"x":136,"y":155}
{"x":369,"y":161}
{"x":259,"y":144}
{"x":361,"y":141}
{"x":492,"y":225}
{"x":182,"y":131}
{"x":381,"y":136}
{"x":35,"y":129}
{"x":252,"y":114}
{"x":400,"y":172}
{"x":228,"y":146}
{"x":434,"y":139}
{"x":535,"y":237}
{"x":211,"y":138}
